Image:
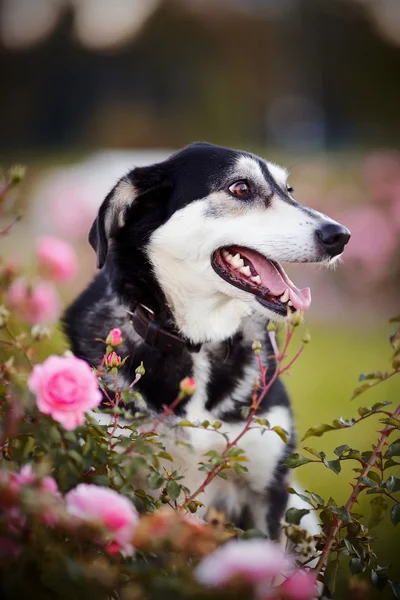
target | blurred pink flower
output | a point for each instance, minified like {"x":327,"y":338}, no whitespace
{"x":299,"y":586}
{"x":26,"y":476}
{"x":15,"y":483}
{"x":76,"y":221}
{"x":37,"y":303}
{"x":103,"y":506}
{"x":381,"y":172}
{"x":57,"y":259}
{"x":65,"y":388}
{"x":114,"y":338}
{"x":254,"y":560}
{"x":373,"y":238}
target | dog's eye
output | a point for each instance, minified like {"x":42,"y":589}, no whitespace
{"x":290,"y":189}
{"x":240,"y":189}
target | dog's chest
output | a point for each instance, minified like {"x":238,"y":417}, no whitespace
{"x":263,"y":450}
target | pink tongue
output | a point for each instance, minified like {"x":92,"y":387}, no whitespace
{"x":276,"y":281}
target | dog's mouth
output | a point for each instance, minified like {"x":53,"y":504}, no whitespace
{"x":252,"y":272}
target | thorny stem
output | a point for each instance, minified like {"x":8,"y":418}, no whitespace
{"x":8,"y":228}
{"x":355,"y":493}
{"x":279,"y":357}
{"x":167,"y":411}
{"x":17,"y":345}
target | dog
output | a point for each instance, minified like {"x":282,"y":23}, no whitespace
{"x":190,"y":254}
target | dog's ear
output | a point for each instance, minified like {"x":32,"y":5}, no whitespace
{"x":132,"y":188}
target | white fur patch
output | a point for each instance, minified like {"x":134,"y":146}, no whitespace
{"x":280,"y":174}
{"x":249,"y":168}
{"x":123,"y":196}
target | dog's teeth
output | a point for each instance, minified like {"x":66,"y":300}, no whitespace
{"x":290,"y":303}
{"x":246,"y":271}
{"x":256,"y":279}
{"x":225,"y":253}
{"x":237,"y":261}
{"x":285,"y":296}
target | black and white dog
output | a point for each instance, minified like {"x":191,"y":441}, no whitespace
{"x":190,"y":253}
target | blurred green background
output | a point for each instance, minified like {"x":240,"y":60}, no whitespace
{"x":92,"y":87}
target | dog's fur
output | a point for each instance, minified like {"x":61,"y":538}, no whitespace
{"x":154,"y":236}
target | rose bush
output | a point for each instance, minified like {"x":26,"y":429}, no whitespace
{"x":75,"y":523}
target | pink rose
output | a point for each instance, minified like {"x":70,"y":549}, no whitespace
{"x":57,"y":260}
{"x":65,"y":388}
{"x":37,"y":303}
{"x":114,"y":338}
{"x":103,"y":506}
{"x":256,"y":561}
{"x":299,"y":586}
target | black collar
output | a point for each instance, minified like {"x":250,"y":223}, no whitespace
{"x":156,"y":336}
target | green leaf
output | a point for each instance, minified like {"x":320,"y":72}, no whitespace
{"x":367,"y":482}
{"x":357,"y":565}
{"x":185,"y":423}
{"x":155,"y":481}
{"x":239,"y":469}
{"x":294,"y":515}
{"x":378,"y":579}
{"x":302,"y":496}
{"x":390,"y":463}
{"x":363,"y":388}
{"x":395,"y":514}
{"x":317,"y":431}
{"x":394,"y":449}
{"x":235,"y":452}
{"x":313,"y":451}
{"x":173,"y":489}
{"x":393,"y":484}
{"x":342,"y":513}
{"x":391,"y":421}
{"x":379,"y":507}
{"x":165,"y":455}
{"x":296,"y":460}
{"x":333,"y":465}
{"x":330,"y":575}
{"x":375,"y":477}
{"x":320,"y":501}
{"x":379,"y":405}
{"x":342,"y":449}
{"x":282,"y":433}
{"x":395,"y":585}
{"x":326,"y":516}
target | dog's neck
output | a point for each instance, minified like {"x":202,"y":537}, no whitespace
{"x":181,"y":300}
{"x":200,"y":313}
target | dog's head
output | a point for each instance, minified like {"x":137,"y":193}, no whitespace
{"x":214,"y":225}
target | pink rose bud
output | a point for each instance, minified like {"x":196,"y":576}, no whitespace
{"x":114,"y":338}
{"x":38,"y":303}
{"x":113,"y":360}
{"x":56,"y":259}
{"x":188,"y":386}
{"x":103,"y":506}
{"x":65,"y":388}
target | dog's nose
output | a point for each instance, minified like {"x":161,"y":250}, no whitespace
{"x":333,"y":237}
